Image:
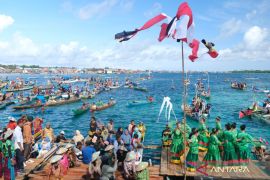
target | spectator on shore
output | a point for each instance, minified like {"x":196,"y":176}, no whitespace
{"x":61,"y":137}
{"x":48,"y":132}
{"x":18,"y":146}
{"x":87,"y":152}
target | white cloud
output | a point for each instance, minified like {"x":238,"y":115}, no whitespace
{"x":96,"y":9}
{"x":251,"y":14}
{"x":254,"y":48}
{"x":231,"y":27}
{"x":154,"y":10}
{"x":255,"y":36}
{"x":126,"y":5}
{"x":5,"y":21}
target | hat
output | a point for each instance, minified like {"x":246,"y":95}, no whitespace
{"x":142,"y":166}
{"x":130,"y":156}
{"x":95,"y":155}
{"x":62,"y":132}
{"x":11,"y":118}
{"x":55,"y":159}
{"x":109,"y":147}
{"x":62,"y":150}
{"x":122,"y":148}
{"x":69,"y":145}
{"x":8,"y":133}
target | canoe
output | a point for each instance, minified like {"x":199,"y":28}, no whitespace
{"x":114,"y":87}
{"x":3,"y":105}
{"x":263,"y":117}
{"x":138,"y":103}
{"x":80,"y":110}
{"x":140,"y":89}
{"x":27,"y":106}
{"x":20,"y":89}
{"x":105,"y":106}
{"x":235,"y":86}
{"x":62,"y":101}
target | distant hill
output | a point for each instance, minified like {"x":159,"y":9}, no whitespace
{"x":251,"y":71}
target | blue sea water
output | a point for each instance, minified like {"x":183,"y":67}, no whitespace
{"x":226,"y":102}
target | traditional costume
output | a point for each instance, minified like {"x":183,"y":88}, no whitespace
{"x":203,"y":137}
{"x":212,"y":157}
{"x":243,"y":147}
{"x":177,"y":146}
{"x":192,"y":156}
{"x":9,"y":158}
{"x":229,"y":157}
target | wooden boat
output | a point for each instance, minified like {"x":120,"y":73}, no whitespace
{"x":81,"y":110}
{"x":263,"y":117}
{"x":114,"y":87}
{"x":62,"y":101}
{"x":27,"y":106}
{"x":3,"y":105}
{"x":138,"y":103}
{"x":87,"y":96}
{"x":25,"y":88}
{"x":140,"y":89}
{"x":195,"y":116}
{"x":240,"y":86}
{"x":105,"y":106}
{"x":260,"y":90}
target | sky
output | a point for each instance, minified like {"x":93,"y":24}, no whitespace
{"x":80,"y":33}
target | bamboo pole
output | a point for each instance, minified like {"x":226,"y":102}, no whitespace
{"x":184,"y":104}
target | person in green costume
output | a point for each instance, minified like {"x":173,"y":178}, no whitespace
{"x":244,"y":139}
{"x":230,"y":156}
{"x":142,"y":172}
{"x":212,"y":158}
{"x":203,"y":136}
{"x":234,"y":130}
{"x":9,"y":156}
{"x":192,"y":156}
{"x":219,"y":134}
{"x":177,"y":146}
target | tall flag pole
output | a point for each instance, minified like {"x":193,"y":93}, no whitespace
{"x":184,"y":104}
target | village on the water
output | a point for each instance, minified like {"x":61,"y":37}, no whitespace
{"x":124,"y":114}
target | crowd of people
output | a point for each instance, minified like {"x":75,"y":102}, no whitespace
{"x":104,"y":149}
{"x":222,"y":147}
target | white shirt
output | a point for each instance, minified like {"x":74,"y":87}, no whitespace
{"x":17,"y":137}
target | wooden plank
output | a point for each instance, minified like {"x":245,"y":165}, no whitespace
{"x":169,"y":169}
